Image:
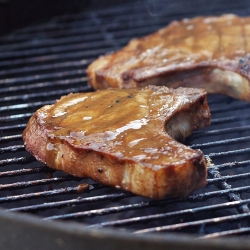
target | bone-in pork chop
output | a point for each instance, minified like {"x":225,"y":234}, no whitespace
{"x":204,"y":52}
{"x":124,"y":138}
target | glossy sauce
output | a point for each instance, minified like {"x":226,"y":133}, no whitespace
{"x":128,"y":124}
{"x":210,"y":45}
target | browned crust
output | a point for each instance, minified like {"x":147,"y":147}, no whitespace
{"x":169,"y":180}
{"x":208,"y":42}
{"x":174,"y":181}
{"x":35,"y":138}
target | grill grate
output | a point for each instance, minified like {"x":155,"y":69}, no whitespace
{"x":40,"y":63}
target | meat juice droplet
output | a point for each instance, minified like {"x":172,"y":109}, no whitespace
{"x":87,"y":118}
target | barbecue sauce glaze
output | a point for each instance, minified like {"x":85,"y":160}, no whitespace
{"x":126,"y":138}
{"x":202,"y":52}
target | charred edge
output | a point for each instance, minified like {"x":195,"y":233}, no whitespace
{"x":200,"y":166}
{"x":127,"y":76}
{"x":244,"y":66}
{"x":201,"y":100}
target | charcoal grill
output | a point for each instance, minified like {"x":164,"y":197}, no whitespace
{"x":42,"y":62}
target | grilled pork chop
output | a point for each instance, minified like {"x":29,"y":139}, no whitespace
{"x":210,"y":53}
{"x":124,"y":138}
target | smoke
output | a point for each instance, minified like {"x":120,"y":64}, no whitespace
{"x":154,"y":8}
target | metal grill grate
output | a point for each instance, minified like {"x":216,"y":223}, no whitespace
{"x":40,"y":63}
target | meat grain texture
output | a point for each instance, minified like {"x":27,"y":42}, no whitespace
{"x":204,"y":52}
{"x":125,"y":138}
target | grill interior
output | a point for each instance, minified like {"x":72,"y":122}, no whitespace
{"x":40,"y":63}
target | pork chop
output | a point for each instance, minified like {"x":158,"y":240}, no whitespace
{"x":203,"y":52}
{"x":125,"y":138}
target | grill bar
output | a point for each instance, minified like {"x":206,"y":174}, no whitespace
{"x":229,"y":119}
{"x":15,"y":117}
{"x":42,"y":68}
{"x":55,"y":48}
{"x":12,"y":128}
{"x":33,"y":78}
{"x":41,"y":63}
{"x":110,"y":210}
{"x":221,"y":143}
{"x":81,"y":188}
{"x":71,"y":202}
{"x":11,"y":149}
{"x":45,"y":85}
{"x":16,"y":160}
{"x":48,"y":50}
{"x":227,"y":233}
{"x":25,"y":171}
{"x":10,"y":138}
{"x":200,"y":134}
{"x":144,"y":219}
{"x":27,"y":184}
{"x":53,"y":58}
{"x":42,"y":94}
{"x":236,"y":106}
{"x":228,"y":178}
{"x":26,"y":105}
{"x":228,"y":191}
{"x":135,"y":31}
{"x":135,"y":206}
{"x":229,"y":153}
{"x":216,"y":220}
{"x":230,"y":165}
{"x":223,"y":185}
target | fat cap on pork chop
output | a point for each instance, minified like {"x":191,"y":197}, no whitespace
{"x":204,"y":52}
{"x":124,"y":138}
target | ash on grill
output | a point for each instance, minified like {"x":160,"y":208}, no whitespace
{"x":40,"y":63}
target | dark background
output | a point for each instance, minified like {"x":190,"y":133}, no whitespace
{"x":15,"y":14}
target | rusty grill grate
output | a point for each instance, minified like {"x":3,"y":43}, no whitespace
{"x":40,"y":63}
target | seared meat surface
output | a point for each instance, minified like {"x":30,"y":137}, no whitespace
{"x":204,"y":52}
{"x":124,"y":138}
